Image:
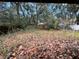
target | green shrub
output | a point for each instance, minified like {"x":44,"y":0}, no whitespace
{"x":54,"y":24}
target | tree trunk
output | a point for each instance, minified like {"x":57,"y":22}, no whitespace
{"x":77,"y":21}
{"x":36,"y":15}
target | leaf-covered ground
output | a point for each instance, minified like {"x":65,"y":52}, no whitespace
{"x":42,"y":44}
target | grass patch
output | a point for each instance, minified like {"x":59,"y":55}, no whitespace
{"x":3,"y":49}
{"x":76,"y":34}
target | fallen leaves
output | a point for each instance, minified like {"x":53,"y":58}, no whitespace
{"x":43,"y":45}
{"x":1,"y":56}
{"x":62,"y":49}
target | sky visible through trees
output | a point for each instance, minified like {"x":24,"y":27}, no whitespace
{"x":55,"y":9}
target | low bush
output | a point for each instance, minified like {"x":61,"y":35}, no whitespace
{"x":54,"y":24}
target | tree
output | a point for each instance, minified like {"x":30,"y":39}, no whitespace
{"x":73,"y":8}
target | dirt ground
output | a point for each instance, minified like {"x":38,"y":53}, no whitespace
{"x":39,"y":38}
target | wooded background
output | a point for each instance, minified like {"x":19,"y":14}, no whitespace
{"x":22,"y":14}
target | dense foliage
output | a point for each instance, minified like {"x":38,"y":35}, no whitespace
{"x":20,"y":15}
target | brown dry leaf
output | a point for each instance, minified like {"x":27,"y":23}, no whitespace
{"x":1,"y":57}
